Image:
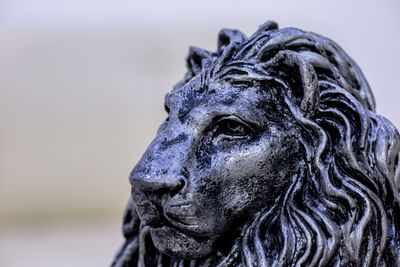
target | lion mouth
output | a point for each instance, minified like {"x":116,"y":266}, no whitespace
{"x":183,"y":217}
{"x":181,"y":221}
{"x":183,"y":224}
{"x":180,"y":216}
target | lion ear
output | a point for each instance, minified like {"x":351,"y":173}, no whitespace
{"x":267,"y":26}
{"x":197,"y":60}
{"x":300,"y":76}
{"x":228,"y":36}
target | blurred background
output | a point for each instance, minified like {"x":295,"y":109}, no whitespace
{"x":82,"y":85}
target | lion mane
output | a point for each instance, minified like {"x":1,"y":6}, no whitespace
{"x":343,"y":208}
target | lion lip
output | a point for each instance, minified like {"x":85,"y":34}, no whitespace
{"x":186,"y":224}
{"x":176,"y":216}
{"x":179,"y":205}
{"x":181,"y":220}
{"x":187,"y":229}
{"x":183,"y":207}
{"x":181,"y":214}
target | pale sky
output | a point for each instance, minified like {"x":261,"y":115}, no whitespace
{"x":89,"y":13}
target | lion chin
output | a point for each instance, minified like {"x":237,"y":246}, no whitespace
{"x":272,"y":155}
{"x":199,"y":247}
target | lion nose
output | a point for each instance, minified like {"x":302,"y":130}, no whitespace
{"x":168,"y":184}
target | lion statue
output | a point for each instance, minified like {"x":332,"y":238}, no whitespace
{"x":272,"y":155}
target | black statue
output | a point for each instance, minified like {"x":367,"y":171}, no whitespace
{"x":272,"y":155}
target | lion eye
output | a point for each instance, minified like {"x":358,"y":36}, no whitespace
{"x":233,"y":127}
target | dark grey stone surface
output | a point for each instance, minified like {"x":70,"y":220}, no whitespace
{"x":272,"y":155}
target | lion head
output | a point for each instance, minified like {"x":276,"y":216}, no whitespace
{"x":271,"y":155}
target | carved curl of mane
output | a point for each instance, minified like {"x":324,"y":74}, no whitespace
{"x":343,"y":209}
